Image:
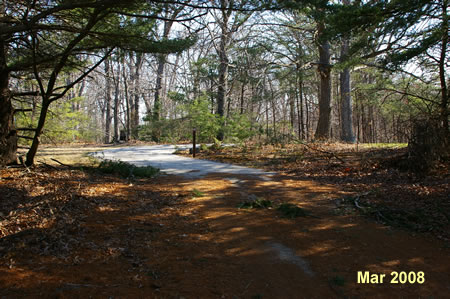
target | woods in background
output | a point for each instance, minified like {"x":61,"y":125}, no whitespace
{"x":101,"y":71}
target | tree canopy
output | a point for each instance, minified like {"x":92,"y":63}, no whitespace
{"x":262,"y":60}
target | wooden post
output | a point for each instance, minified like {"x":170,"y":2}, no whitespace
{"x":194,"y":131}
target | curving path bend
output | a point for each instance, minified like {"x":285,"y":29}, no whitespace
{"x":162,"y":157}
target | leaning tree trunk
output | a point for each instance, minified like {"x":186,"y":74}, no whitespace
{"x":31,"y":154}
{"x":324,"y":69}
{"x":8,"y":134}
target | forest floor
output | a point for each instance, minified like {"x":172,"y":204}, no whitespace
{"x":73,"y":232}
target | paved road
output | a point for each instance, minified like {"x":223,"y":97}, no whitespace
{"x":162,"y":157}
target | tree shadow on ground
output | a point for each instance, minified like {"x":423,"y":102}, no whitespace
{"x":155,"y":238}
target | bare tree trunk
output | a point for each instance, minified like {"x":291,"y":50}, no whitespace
{"x":300,"y":112}
{"x":274,"y":116}
{"x":159,"y":77}
{"x":157,"y":101}
{"x":223,"y":74}
{"x":358,"y":118}
{"x":242,"y":97}
{"x":37,"y":135}
{"x":267,"y":120}
{"x":363,"y":123}
{"x":292,"y":111}
{"x":299,"y":117}
{"x":116,"y":107}
{"x":307,"y":119}
{"x":347,"y":134}
{"x":228,"y":26}
{"x":136,"y":90}
{"x":225,"y":39}
{"x":324,"y":69}
{"x":148,"y":104}
{"x":444,"y":111}
{"x":128,"y":102}
{"x":161,"y":58}
{"x":8,"y":134}
{"x":371,"y":124}
{"x":107,"y":102}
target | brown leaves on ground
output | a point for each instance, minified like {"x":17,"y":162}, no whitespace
{"x":394,"y":197}
{"x":79,"y":234}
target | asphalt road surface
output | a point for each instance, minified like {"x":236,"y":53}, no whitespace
{"x":162,"y":157}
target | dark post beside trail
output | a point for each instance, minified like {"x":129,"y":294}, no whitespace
{"x":194,"y":131}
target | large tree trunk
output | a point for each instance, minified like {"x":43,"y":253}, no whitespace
{"x":137,"y":90}
{"x":444,"y":111}
{"x":158,"y":87}
{"x":347,"y":134}
{"x":324,"y":69}
{"x":156,"y":132}
{"x":107,"y":102}
{"x":8,"y":134}
{"x":128,"y":102}
{"x":292,"y":111}
{"x":116,"y":137}
{"x":222,"y":85}
{"x":223,"y":79}
{"x":300,"y":112}
{"x":159,"y":75}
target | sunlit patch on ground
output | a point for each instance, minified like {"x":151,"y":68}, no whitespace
{"x":70,"y":233}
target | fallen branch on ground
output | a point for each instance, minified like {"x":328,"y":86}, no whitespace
{"x":356,"y":201}
{"x":60,"y":163}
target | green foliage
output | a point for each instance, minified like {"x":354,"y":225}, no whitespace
{"x":67,"y":121}
{"x":125,"y":169}
{"x":171,"y":130}
{"x":292,"y":211}
{"x":370,"y":22}
{"x":238,"y":128}
{"x":65,"y":124}
{"x":206,"y":123}
{"x":216,"y":145}
{"x":197,"y":193}
{"x":205,"y":67}
{"x":177,"y":97}
{"x":197,"y":115}
{"x":256,"y":204}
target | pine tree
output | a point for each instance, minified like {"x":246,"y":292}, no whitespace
{"x":48,"y":38}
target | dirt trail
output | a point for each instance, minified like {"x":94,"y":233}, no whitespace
{"x":162,"y":239}
{"x":312,"y":257}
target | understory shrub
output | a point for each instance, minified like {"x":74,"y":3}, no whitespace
{"x":125,"y":169}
